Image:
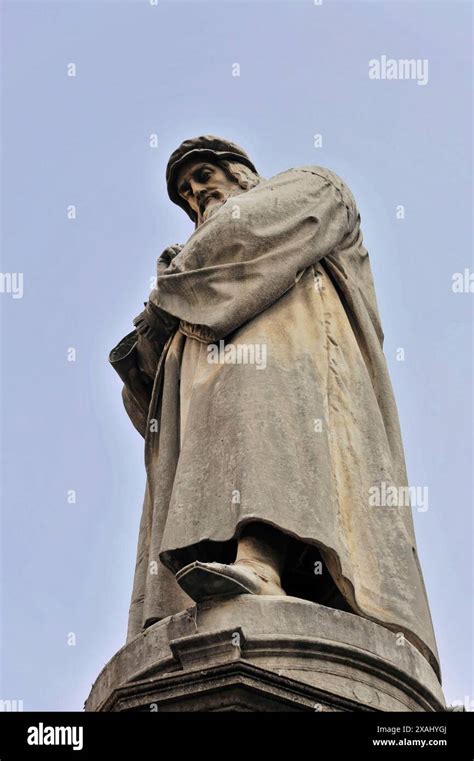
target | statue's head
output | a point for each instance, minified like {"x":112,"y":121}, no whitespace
{"x":205,"y":171}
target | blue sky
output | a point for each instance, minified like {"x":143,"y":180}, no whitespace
{"x":84,"y":141}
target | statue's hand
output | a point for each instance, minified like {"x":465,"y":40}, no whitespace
{"x":154,"y":323}
{"x":167,"y":256}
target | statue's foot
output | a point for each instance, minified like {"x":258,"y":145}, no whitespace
{"x":202,"y":581}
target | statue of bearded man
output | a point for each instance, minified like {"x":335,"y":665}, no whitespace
{"x":268,"y":478}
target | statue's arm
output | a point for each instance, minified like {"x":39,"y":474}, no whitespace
{"x":136,"y":391}
{"x":250,"y":251}
{"x":135,"y":358}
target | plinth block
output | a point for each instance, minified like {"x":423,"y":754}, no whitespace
{"x":256,"y":653}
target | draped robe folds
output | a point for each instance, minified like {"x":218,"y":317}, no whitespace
{"x":299,"y":443}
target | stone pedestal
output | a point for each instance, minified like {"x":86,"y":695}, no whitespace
{"x":255,"y":653}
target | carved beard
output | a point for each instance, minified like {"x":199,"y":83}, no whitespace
{"x":215,"y":200}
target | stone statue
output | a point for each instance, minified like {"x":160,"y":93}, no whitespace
{"x":257,"y":378}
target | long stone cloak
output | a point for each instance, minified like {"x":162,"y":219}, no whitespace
{"x":298,"y":444}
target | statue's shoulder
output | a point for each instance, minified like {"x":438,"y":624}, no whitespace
{"x":316,"y":171}
{"x":321,"y":174}
{"x":312,"y":178}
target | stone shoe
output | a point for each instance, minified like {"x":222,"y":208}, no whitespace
{"x":203,"y":581}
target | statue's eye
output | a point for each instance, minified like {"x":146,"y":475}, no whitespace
{"x":204,"y":175}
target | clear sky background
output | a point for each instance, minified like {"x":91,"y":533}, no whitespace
{"x":84,"y":140}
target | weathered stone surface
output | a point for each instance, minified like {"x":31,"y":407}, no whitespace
{"x":272,"y":483}
{"x":257,"y":377}
{"x":257,"y":653}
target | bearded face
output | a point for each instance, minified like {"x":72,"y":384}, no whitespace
{"x":205,"y":186}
